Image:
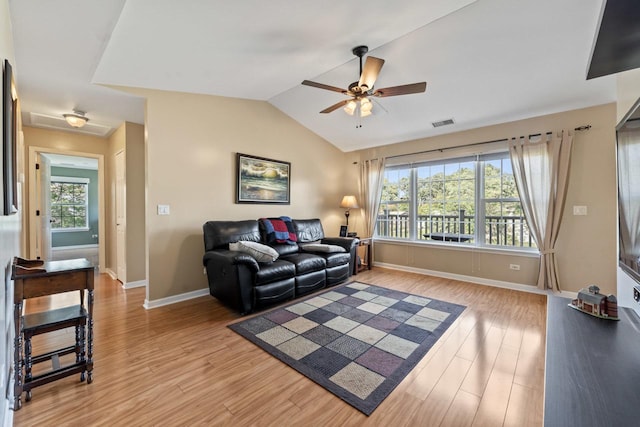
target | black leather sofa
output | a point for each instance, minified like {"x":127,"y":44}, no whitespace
{"x":243,"y":284}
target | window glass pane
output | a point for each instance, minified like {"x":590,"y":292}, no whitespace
{"x":509,"y":189}
{"x":79,"y":194}
{"x":393,"y":215}
{"x":55,"y":192}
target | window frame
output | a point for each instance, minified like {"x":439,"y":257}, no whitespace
{"x":479,"y":241}
{"x":71,"y":180}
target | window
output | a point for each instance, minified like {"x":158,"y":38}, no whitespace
{"x":393,"y":219}
{"x":470,"y":200}
{"x":69,"y":203}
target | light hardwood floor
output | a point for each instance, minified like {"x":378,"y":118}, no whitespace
{"x":181,"y":365}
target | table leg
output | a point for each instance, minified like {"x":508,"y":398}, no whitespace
{"x":90,"y":337}
{"x":17,"y":355}
{"x":28,"y":360}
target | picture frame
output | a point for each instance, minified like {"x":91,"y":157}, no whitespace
{"x":9,"y":164}
{"x":343,"y":231}
{"x":262,"y":180}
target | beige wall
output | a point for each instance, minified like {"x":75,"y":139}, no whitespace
{"x":586,"y":248}
{"x":128,"y":138}
{"x":191,"y":145}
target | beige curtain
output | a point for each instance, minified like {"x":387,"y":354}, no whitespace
{"x":541,"y":171}
{"x":371,"y":180}
{"x":628,"y":195}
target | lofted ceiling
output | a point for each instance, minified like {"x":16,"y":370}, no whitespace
{"x":485,"y":61}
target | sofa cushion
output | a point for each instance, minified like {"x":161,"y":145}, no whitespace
{"x":306,"y":263}
{"x":277,"y":270}
{"x":308,"y":230}
{"x":262,"y":253}
{"x":321,"y":247}
{"x":218,"y":234}
{"x":335,"y":258}
{"x":278,"y":230}
{"x":286,"y":249}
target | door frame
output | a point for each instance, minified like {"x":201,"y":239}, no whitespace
{"x":32,"y":217}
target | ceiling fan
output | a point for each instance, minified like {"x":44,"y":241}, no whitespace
{"x":360,"y":91}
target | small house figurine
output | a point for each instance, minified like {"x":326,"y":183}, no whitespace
{"x":592,"y":302}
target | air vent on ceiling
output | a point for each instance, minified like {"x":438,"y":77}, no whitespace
{"x":59,"y":123}
{"x":442,"y":123}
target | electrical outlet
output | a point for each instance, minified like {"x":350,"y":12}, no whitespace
{"x":636,"y":293}
{"x":163,"y":210}
{"x":514,"y":267}
{"x":579,"y":210}
{"x":204,"y":271}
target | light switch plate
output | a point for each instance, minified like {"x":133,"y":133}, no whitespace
{"x":163,"y":210}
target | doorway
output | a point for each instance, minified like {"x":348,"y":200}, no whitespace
{"x":66,"y":199}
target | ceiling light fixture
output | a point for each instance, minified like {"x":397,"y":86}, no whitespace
{"x":77,"y":119}
{"x":360,"y":107}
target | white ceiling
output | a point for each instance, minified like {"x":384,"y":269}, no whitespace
{"x":485,"y":61}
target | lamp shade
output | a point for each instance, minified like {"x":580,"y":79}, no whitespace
{"x":77,"y":119}
{"x":349,"y":202}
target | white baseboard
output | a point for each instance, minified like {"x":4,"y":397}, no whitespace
{"x":8,"y":413}
{"x":111,"y":273}
{"x":136,"y":284}
{"x":477,"y":280}
{"x":175,"y":298}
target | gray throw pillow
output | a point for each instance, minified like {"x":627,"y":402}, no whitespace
{"x":262,"y":253}
{"x":321,"y":247}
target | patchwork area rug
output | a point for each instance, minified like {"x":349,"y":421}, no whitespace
{"x":358,"y":341}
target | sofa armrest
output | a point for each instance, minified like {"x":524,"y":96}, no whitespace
{"x":350,"y":244}
{"x":230,"y":258}
{"x":231,"y":277}
{"x":346,"y":242}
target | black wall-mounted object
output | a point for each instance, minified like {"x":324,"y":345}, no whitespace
{"x":616,"y":46}
{"x":9,"y":189}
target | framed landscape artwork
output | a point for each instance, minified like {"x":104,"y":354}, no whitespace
{"x":260,"y":180}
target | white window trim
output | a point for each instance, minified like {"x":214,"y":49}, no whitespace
{"x":411,"y":162}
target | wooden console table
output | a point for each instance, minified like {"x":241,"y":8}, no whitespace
{"x":591,"y":372}
{"x":35,"y":279}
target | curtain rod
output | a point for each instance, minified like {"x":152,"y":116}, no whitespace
{"x":579,"y":128}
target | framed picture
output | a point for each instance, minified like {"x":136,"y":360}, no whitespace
{"x":9,"y":190}
{"x":343,"y":231}
{"x":260,"y":180}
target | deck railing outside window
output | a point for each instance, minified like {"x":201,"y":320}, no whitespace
{"x":498,"y":230}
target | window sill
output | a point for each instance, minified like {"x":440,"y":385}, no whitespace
{"x":533,"y":253}
{"x":69,"y":230}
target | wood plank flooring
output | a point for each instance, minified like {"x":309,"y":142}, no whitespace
{"x":181,"y":365}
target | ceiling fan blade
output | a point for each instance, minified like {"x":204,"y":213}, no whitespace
{"x":335,"y":106}
{"x":401,"y":90}
{"x":370,"y":72}
{"x":323,"y":86}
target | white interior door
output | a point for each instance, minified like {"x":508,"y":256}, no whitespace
{"x":121,"y":218}
{"x":43,"y":188}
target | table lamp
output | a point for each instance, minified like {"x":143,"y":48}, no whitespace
{"x":349,"y":202}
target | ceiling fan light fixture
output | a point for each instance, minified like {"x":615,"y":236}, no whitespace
{"x":365,"y":107}
{"x":350,"y":108}
{"x":77,"y":119}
